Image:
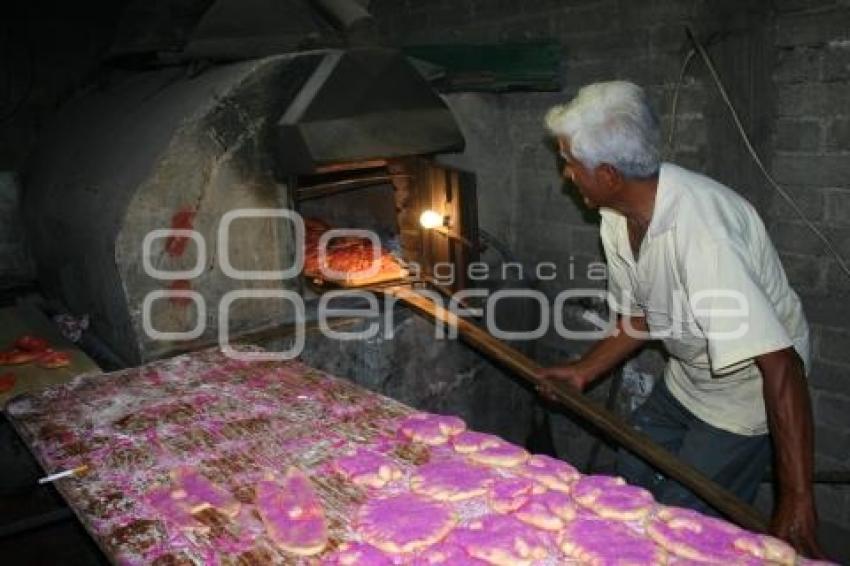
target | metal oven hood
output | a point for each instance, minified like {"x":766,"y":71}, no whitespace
{"x":362,"y":104}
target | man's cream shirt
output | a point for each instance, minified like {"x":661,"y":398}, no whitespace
{"x":712,"y":289}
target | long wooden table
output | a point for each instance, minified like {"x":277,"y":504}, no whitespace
{"x":236,"y":422}
{"x":233,"y":421}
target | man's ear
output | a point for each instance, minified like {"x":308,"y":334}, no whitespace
{"x":608,"y":177}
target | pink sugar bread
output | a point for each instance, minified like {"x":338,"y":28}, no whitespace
{"x":367,"y":468}
{"x":357,"y":554}
{"x":607,"y":542}
{"x":488,"y":449}
{"x":196,"y":492}
{"x":550,"y":510}
{"x":503,"y":540}
{"x":172,"y":510}
{"x":446,"y":553}
{"x":431,"y":429}
{"x":509,"y":494}
{"x":503,"y":455}
{"x":404,"y":523}
{"x":450,"y":480}
{"x":549,"y":472}
{"x":612,"y":498}
{"x":472,"y":441}
{"x":695,"y":536}
{"x":292,"y":513}
{"x":768,"y":548}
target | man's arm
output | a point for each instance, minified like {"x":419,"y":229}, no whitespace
{"x":629,"y":334}
{"x":789,"y":416}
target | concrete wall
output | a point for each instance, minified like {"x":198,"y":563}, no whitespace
{"x":785,"y":64}
{"x":16,"y":268}
{"x":46,"y":55}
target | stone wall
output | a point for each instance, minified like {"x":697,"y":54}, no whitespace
{"x":785,"y":64}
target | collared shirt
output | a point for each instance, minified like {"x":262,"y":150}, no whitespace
{"x":713,"y":290}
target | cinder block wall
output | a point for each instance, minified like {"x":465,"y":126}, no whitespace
{"x":811,"y":155}
{"x":786,"y":65}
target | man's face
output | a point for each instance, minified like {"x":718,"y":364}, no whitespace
{"x":585,"y":180}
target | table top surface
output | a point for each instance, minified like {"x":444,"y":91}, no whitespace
{"x":238,"y":423}
{"x":19,"y":320}
{"x":235,"y":421}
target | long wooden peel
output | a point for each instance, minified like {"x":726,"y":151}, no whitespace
{"x":607,"y":422}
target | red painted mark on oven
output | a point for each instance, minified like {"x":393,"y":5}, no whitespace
{"x":180,"y":285}
{"x":182,"y":220}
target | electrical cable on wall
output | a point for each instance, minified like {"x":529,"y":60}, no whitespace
{"x":668,"y":150}
{"x":675,"y":106}
{"x":699,"y":48}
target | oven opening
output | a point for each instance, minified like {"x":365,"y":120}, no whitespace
{"x":387,"y":198}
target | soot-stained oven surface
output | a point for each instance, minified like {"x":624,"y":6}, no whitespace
{"x":165,"y":149}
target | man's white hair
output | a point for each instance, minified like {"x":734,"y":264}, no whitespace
{"x":611,"y":123}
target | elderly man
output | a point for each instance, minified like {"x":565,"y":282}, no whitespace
{"x":690,"y":263}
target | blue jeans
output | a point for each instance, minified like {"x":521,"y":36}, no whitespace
{"x":736,"y":462}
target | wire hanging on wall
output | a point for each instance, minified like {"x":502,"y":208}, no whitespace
{"x":700,"y":49}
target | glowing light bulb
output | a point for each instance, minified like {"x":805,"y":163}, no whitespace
{"x":431,"y":219}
